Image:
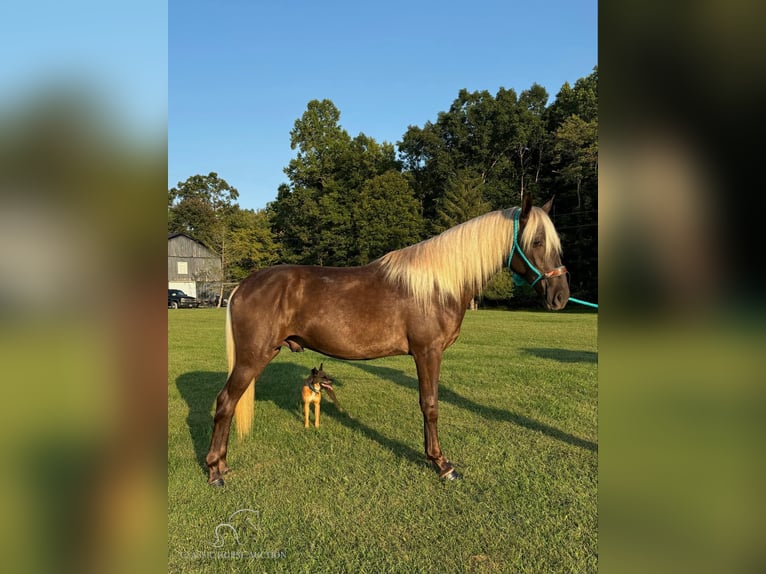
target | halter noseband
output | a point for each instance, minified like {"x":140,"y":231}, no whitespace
{"x":518,"y":279}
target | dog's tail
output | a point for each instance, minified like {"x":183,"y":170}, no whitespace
{"x":243,"y":412}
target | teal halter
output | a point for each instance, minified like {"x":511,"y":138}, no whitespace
{"x":518,"y":279}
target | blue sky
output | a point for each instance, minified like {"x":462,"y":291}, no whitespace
{"x":241,"y":72}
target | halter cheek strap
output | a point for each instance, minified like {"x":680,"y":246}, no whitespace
{"x":518,"y":279}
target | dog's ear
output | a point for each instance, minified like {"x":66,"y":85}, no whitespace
{"x":314,"y":370}
{"x":321,"y":366}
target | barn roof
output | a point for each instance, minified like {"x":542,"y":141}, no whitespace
{"x":204,"y":245}
{"x":181,"y":234}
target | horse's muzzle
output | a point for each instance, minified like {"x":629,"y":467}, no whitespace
{"x":557,"y":292}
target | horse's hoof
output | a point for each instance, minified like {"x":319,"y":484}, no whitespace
{"x":216,"y":482}
{"x":452,"y":474}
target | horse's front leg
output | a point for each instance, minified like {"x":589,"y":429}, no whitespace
{"x":428,"y":363}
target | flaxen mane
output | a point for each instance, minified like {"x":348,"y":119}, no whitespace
{"x":462,"y":259}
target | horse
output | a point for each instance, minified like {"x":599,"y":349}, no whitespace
{"x":411,"y":301}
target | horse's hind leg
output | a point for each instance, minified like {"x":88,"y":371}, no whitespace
{"x":227,"y":399}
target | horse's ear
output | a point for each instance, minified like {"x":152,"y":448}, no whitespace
{"x":548,"y":205}
{"x":526,"y":207}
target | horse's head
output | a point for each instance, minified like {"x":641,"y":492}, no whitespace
{"x":536,"y":254}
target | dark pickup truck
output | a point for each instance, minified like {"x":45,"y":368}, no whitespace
{"x":177,"y":299}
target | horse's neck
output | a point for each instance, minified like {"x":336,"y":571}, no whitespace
{"x":466,"y":299}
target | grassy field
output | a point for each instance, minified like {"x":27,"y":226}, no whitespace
{"x":518,"y":418}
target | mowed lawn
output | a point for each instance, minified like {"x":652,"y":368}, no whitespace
{"x":517,"y":416}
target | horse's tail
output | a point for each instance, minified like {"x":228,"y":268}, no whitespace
{"x":243,"y":412}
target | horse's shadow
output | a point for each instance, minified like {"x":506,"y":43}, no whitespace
{"x":492,"y":413}
{"x":280,"y":384}
{"x":563,"y":355}
{"x":199,"y":389}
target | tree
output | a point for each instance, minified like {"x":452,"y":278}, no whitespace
{"x":502,"y":139}
{"x":251,"y":245}
{"x":321,"y":145}
{"x":530,"y":139}
{"x":499,"y":289}
{"x":204,"y":206}
{"x":386,"y":217}
{"x":320,"y":216}
{"x":193,"y":216}
{"x":461,"y":139}
{"x":576,"y":151}
{"x":581,"y":100}
{"x":309,"y":211}
{"x":293,"y":215}
{"x":463,"y":200}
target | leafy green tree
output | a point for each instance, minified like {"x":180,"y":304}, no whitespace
{"x":319,"y":217}
{"x":463,"y":200}
{"x":333,"y":236}
{"x":201,"y":207}
{"x":500,"y":138}
{"x":366,"y":159}
{"x":321,"y":145}
{"x":386,"y":217}
{"x":195,"y":217}
{"x":576,"y":151}
{"x":428,"y":162}
{"x":306,"y":211}
{"x":499,"y":289}
{"x":580,"y":100}
{"x":251,"y":245}
{"x":529,"y":143}
{"x":213,"y":189}
{"x":294,"y":216}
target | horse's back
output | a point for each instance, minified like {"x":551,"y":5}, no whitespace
{"x":295,"y":284}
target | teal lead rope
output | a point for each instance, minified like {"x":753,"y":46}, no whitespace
{"x":581,"y":302}
{"x":518,"y":279}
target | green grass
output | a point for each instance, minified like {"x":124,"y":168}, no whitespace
{"x":517,"y":417}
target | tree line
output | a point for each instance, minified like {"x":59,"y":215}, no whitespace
{"x":349,"y":200}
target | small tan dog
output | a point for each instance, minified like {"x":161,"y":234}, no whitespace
{"x":312,"y":394}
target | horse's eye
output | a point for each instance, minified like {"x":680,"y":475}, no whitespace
{"x":537,"y":243}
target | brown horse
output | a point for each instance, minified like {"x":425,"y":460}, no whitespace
{"x":408,"y":302}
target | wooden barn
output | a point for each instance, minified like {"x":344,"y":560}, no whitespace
{"x":192,"y":266}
